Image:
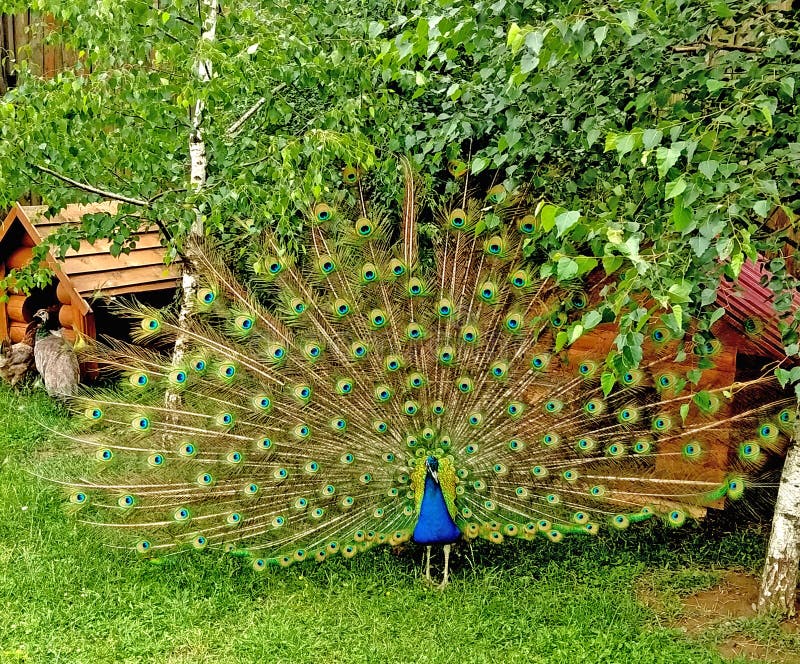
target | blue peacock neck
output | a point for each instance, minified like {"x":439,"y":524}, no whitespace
{"x":435,"y":523}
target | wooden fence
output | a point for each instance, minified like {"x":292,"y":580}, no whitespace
{"x":22,"y":38}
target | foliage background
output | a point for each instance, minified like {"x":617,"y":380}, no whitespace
{"x":660,"y":134}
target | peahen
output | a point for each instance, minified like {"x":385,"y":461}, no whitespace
{"x":54,"y":356}
{"x":16,"y":360}
{"x":368,"y":397}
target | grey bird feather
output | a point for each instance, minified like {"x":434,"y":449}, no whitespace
{"x":55,"y":357}
{"x":16,"y":360}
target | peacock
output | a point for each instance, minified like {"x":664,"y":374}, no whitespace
{"x":373,"y":393}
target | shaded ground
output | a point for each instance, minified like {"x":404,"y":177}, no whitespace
{"x":718,"y":608}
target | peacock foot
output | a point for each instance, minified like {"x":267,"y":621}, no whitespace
{"x":445,"y":579}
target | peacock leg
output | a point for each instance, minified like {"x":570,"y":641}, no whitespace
{"x":428,"y":564}
{"x":446,"y":566}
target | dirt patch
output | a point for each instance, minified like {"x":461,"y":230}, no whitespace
{"x":726,"y":615}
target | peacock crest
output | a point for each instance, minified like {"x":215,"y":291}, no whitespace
{"x":375,"y":396}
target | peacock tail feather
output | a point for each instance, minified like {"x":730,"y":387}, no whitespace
{"x":303,"y":426}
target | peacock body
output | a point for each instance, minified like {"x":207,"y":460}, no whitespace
{"x":373,"y":400}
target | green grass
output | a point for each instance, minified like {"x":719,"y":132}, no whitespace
{"x":64,"y":597}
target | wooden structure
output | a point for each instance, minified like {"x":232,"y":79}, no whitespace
{"x":82,"y":276}
{"x":746,"y":351}
{"x":23,"y":38}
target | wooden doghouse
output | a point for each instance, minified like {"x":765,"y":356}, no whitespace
{"x":84,"y":277}
{"x":742,"y":356}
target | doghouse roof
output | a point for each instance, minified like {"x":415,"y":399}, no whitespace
{"x":91,"y":270}
{"x":749,"y":297}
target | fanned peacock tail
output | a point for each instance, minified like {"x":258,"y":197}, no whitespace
{"x":304,"y":426}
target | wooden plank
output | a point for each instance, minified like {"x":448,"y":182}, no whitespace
{"x":4,"y":55}
{"x":140,"y":288}
{"x":20,"y":38}
{"x":128,"y":279}
{"x":35,"y":55}
{"x":66,"y":315}
{"x":19,"y":258}
{"x":63,"y":293}
{"x":78,"y":265}
{"x":15,"y":308}
{"x":146,"y":241}
{"x":3,"y":314}
{"x":49,"y":67}
{"x":16,"y":331}
{"x":85,"y":324}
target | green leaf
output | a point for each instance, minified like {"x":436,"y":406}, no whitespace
{"x":699,"y":244}
{"x":478,"y":164}
{"x":708,"y":168}
{"x":575,"y":333}
{"x":599,"y":34}
{"x":375,"y":29}
{"x":566,"y":268}
{"x":703,"y":400}
{"x":694,"y":375}
{"x":719,"y":312}
{"x":528,"y":63}
{"x":737,"y":261}
{"x":724,"y":248}
{"x":712,"y":84}
{"x":625,"y":144}
{"x":783,"y":376}
{"x":561,"y":341}
{"x":566,"y":220}
{"x":612,"y":263}
{"x":607,"y":381}
{"x":534,"y":40}
{"x":591,"y":319}
{"x":768,"y":106}
{"x":682,"y":218}
{"x":684,"y":411}
{"x":585,"y":264}
{"x":547,"y":215}
{"x":651,"y":138}
{"x":674,"y":188}
{"x":761,"y":208}
{"x":666,"y":158}
{"x":680,"y":292}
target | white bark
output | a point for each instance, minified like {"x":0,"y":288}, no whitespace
{"x":203,"y":70}
{"x":779,"y":579}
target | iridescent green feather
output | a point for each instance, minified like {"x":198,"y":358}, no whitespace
{"x":304,"y":404}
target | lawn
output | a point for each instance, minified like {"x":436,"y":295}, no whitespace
{"x":66,"y":597}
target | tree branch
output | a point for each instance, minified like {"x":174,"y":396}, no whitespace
{"x":236,"y":126}
{"x":723,"y":46}
{"x":91,"y":189}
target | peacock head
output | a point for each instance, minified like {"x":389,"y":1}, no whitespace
{"x":432,"y":467}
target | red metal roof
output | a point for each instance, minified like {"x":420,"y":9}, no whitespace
{"x":748,"y":298}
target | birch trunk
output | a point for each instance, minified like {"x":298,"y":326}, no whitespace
{"x":779,"y":579}
{"x":197,"y":176}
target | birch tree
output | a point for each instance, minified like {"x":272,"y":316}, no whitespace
{"x":203,"y":71}
{"x":778,"y":590}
